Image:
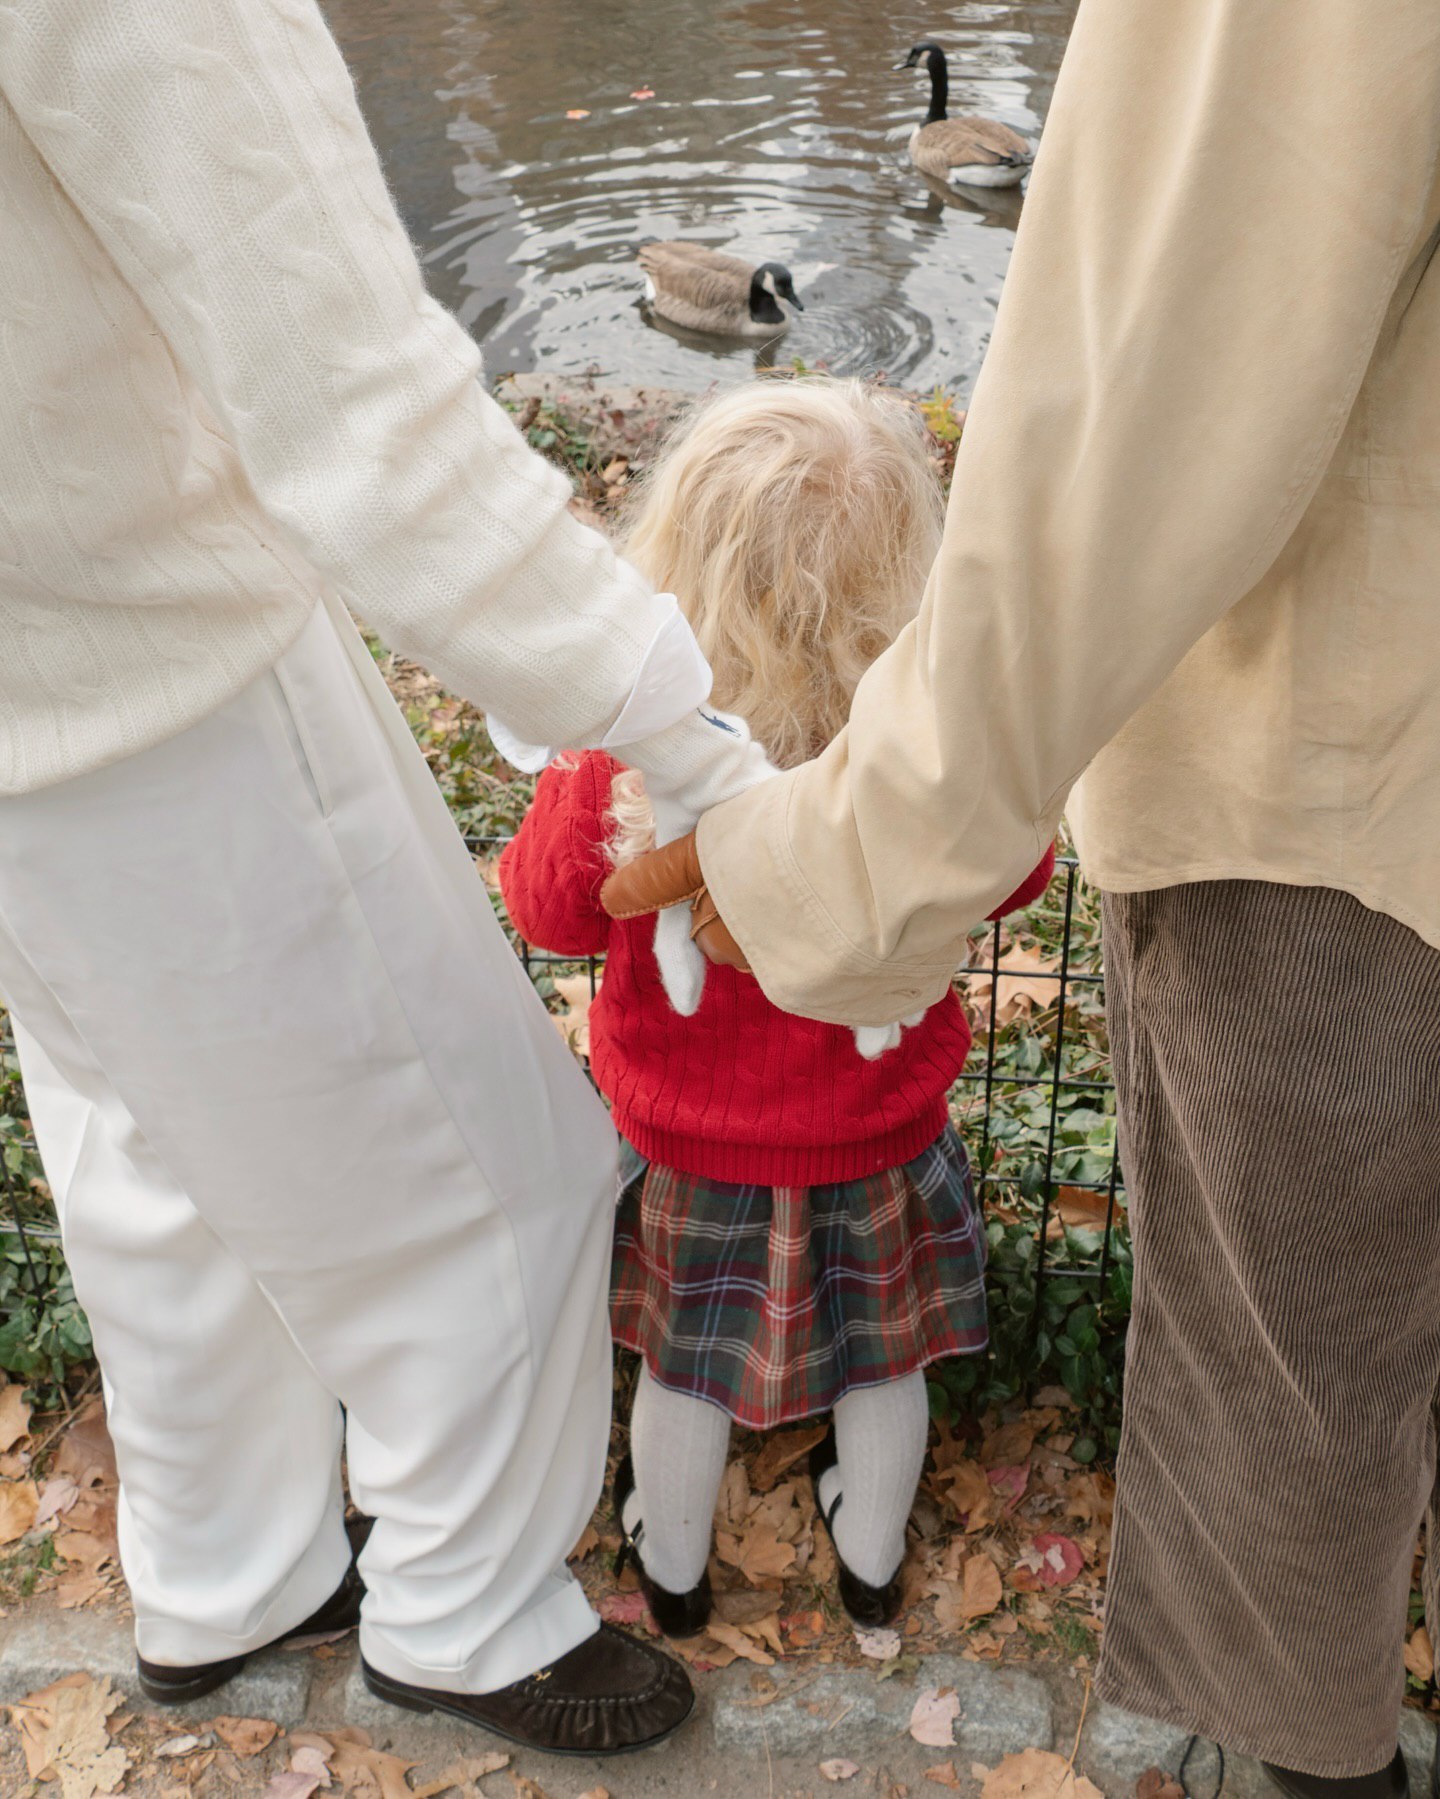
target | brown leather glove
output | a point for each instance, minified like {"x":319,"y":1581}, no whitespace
{"x":673,"y":877}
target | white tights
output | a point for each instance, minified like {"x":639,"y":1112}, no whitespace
{"x":679,"y":1447}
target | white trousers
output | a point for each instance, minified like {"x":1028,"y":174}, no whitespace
{"x":314,"y":1142}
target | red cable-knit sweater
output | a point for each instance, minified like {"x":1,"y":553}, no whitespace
{"x":742,"y":1091}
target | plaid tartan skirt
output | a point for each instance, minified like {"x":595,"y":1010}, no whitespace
{"x":774,"y":1302}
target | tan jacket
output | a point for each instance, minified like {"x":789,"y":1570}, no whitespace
{"x":1194,"y":539}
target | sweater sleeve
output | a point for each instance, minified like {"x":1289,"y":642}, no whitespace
{"x":1030,"y":888}
{"x":217,"y":150}
{"x":551,"y":873}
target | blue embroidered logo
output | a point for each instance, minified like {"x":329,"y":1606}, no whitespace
{"x":719,"y":723}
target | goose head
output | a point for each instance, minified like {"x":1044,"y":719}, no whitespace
{"x":769,"y":285}
{"x":928,"y":55}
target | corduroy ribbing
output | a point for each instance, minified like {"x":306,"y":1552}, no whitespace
{"x":1277,"y":1052}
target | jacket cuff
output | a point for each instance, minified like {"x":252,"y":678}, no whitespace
{"x":802,"y":962}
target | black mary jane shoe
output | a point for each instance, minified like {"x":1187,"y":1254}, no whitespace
{"x":170,"y":1685}
{"x":868,"y":1606}
{"x":675,"y":1614}
{"x":1391,"y":1782}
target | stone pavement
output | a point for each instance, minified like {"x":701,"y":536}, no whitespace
{"x":759,"y":1732}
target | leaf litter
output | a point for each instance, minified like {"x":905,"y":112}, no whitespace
{"x":65,"y":1736}
{"x":1010,"y":1537}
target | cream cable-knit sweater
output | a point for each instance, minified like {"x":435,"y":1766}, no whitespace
{"x":223,"y":388}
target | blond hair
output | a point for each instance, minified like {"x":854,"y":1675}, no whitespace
{"x":797,"y":521}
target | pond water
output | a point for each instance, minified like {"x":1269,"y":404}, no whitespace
{"x":774,"y":131}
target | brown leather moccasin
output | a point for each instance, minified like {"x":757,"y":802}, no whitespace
{"x":607,"y":1696}
{"x":174,"y":1686}
{"x":170,"y":1685}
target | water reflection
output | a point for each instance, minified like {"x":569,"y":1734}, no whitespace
{"x":776,"y":131}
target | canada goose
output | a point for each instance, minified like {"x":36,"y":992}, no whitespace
{"x":705,"y":290}
{"x":972,"y":151}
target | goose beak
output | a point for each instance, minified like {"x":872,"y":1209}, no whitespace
{"x":796,"y":302}
{"x":899,"y":66}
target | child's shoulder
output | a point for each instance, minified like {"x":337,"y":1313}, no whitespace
{"x":581,"y":780}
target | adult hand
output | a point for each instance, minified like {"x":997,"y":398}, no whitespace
{"x":669,"y":880}
{"x":695,"y":765}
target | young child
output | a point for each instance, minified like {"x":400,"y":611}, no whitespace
{"x":797,"y":1232}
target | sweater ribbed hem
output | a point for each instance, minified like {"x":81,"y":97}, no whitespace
{"x":769,"y":1165}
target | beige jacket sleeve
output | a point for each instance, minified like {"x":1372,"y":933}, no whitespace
{"x":1225,"y":198}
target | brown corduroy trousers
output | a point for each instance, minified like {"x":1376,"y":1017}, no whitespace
{"x":1277,"y":1052}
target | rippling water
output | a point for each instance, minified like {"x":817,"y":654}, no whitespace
{"x":775,"y":131}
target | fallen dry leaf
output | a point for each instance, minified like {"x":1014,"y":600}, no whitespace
{"x":366,"y":1773}
{"x":1053,"y":1560}
{"x":178,"y":1746}
{"x":14,"y":1416}
{"x":743,"y":1606}
{"x":245,"y":1736}
{"x":19,"y":1508}
{"x":75,"y":1590}
{"x":1022,"y":987}
{"x":1008,"y":1447}
{"x":781,"y":1452}
{"x":643,"y":93}
{"x":309,"y":1758}
{"x":595,"y":1793}
{"x":951,"y":1618}
{"x":981,"y":1586}
{"x":880,"y":1644}
{"x":1080,"y":1208}
{"x":589,"y":1539}
{"x":577,"y":112}
{"x":758,"y":1553}
{"x":86,"y":1453}
{"x":734,"y":1638}
{"x":1155,"y":1783}
{"x":839,"y":1769}
{"x":1010,"y":1484}
{"x":573,"y":1024}
{"x":83,"y":1547}
{"x":624,"y":1608}
{"x":525,"y":1787}
{"x":933,"y":1718}
{"x":971,"y":1494}
{"x":290,"y":1785}
{"x":64,"y":1735}
{"x":310,"y":1739}
{"x":1419,"y":1656}
{"x":1037,"y":1774}
{"x":943,"y":1774}
{"x":733,"y":1501}
{"x":56,"y":1498}
{"x":1091,"y":1498}
{"x":465,"y":1773}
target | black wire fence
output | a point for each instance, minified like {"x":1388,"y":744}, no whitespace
{"x":1035,"y":1106}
